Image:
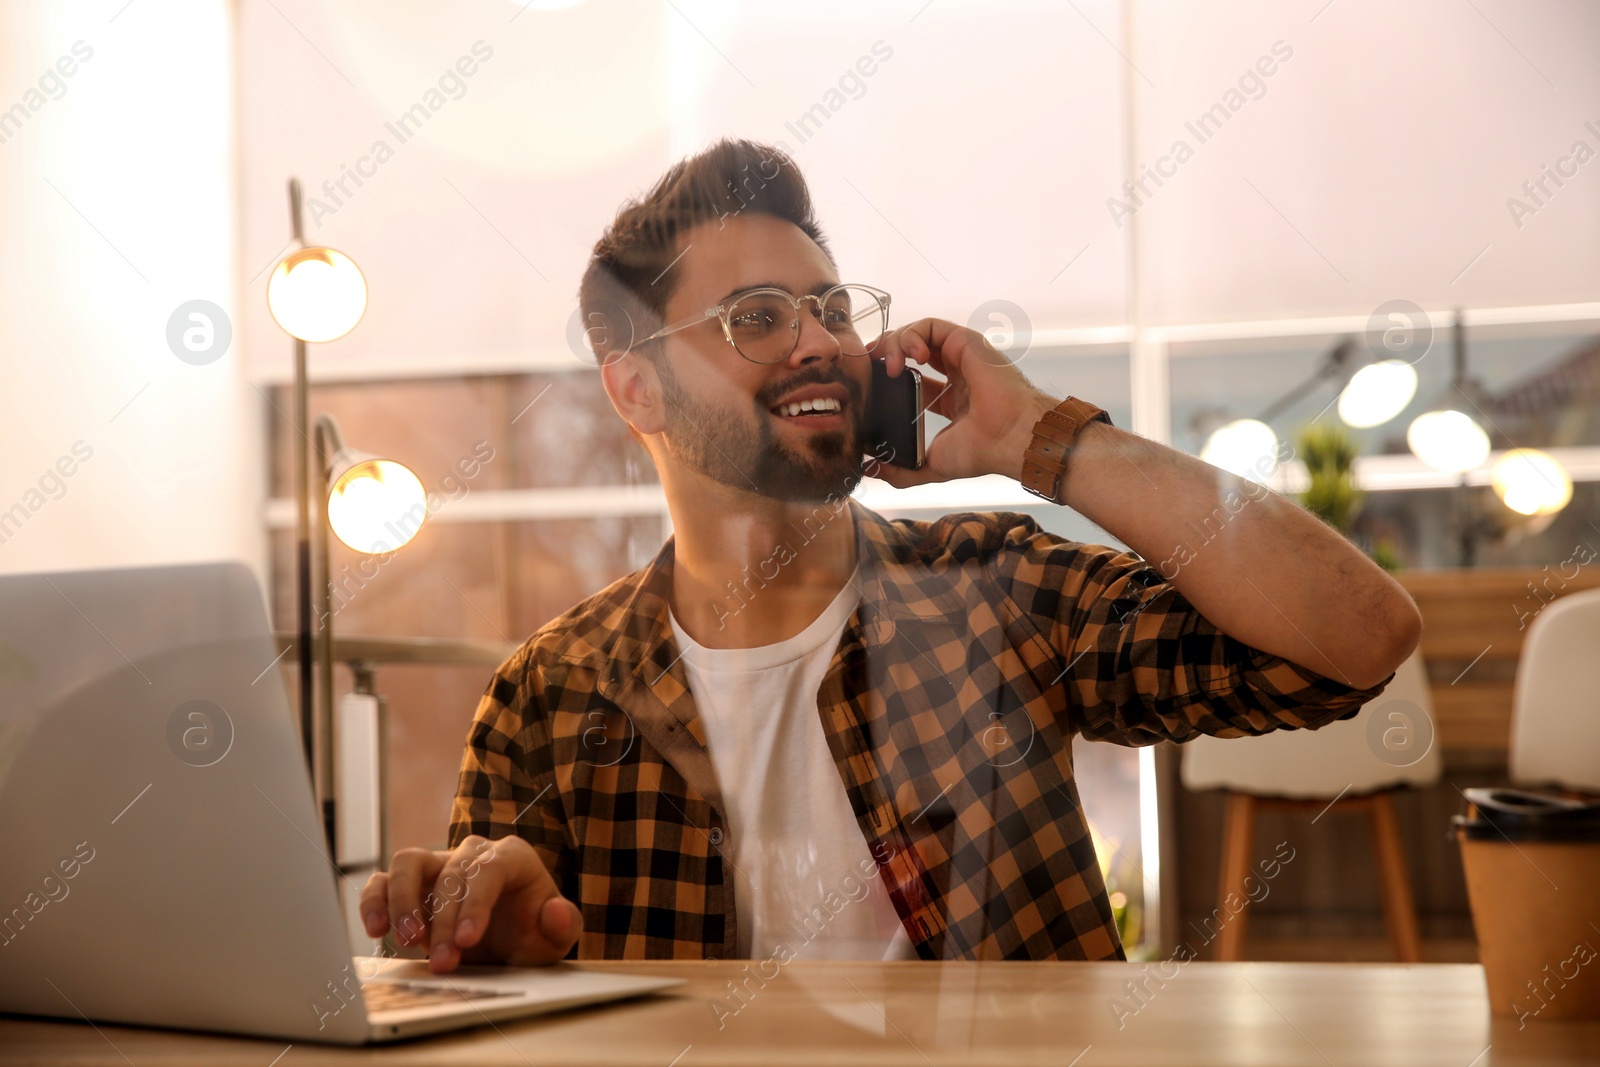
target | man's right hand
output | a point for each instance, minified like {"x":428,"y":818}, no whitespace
{"x":484,"y":902}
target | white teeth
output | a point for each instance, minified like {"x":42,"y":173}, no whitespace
{"x":820,"y":404}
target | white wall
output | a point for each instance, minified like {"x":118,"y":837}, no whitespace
{"x":954,"y":173}
{"x":1377,"y":162}
{"x":975,"y":162}
{"x":117,"y":205}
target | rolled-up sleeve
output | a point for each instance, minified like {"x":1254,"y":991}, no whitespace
{"x":1139,"y":663}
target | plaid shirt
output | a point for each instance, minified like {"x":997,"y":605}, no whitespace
{"x":980,"y":646}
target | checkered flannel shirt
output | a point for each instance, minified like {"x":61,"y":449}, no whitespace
{"x":980,"y":646}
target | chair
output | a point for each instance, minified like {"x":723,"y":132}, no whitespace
{"x":1349,"y":765}
{"x":1555,"y":715}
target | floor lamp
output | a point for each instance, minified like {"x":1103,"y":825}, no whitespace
{"x":374,"y":505}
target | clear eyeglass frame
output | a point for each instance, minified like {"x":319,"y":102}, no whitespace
{"x":721,"y":313}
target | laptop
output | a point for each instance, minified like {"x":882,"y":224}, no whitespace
{"x":161,"y":859}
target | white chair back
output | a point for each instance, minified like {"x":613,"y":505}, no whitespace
{"x":1555,"y":717}
{"x":1391,"y":741}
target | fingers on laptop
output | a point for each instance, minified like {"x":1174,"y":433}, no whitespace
{"x":375,"y":904}
{"x":472,"y":880}
{"x":396,"y":898}
{"x":495,"y":897}
{"x":560,"y":923}
{"x":511,"y":904}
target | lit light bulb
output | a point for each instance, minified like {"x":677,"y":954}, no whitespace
{"x":1448,"y":441}
{"x":376,"y":506}
{"x":1532,"y":482}
{"x":1377,"y":393}
{"x":317,"y":294}
{"x":1246,"y":447}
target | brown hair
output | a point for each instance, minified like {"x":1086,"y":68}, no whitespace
{"x":624,"y":292}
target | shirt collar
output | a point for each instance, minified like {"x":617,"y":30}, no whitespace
{"x":898,"y":581}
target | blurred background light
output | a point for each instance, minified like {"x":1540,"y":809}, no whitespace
{"x":1448,"y":441}
{"x":317,"y":294}
{"x":1377,"y":393}
{"x":1246,"y":447}
{"x":375,"y":505}
{"x":1531,"y":482}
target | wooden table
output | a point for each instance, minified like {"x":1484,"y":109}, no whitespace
{"x":918,"y":1015}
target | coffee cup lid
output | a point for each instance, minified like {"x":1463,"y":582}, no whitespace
{"x":1519,"y":815}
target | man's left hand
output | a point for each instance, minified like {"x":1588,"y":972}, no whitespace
{"x":992,"y":408}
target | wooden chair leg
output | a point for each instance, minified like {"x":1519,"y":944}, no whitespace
{"x":1238,"y":838}
{"x":1399,"y":911}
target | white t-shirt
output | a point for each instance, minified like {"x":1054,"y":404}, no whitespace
{"x":802,"y":874}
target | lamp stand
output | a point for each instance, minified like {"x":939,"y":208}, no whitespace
{"x":302,"y":556}
{"x":327,"y":444}
{"x":315,"y":732}
{"x":1336,"y":364}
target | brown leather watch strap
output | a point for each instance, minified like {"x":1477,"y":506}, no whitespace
{"x":1045,"y":462}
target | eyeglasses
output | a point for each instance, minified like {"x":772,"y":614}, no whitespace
{"x":763,"y":325}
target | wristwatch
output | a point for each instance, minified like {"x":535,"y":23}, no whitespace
{"x":1045,"y":462}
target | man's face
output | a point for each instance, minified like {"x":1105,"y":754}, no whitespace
{"x":722,"y":418}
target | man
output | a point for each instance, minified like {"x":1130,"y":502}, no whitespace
{"x":805,"y":731}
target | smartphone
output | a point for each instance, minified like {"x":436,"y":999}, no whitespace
{"x":894,"y":417}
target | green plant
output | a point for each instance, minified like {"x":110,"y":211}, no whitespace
{"x":1329,"y":455}
{"x":1385,"y":555}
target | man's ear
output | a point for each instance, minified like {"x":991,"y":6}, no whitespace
{"x":634,"y":387}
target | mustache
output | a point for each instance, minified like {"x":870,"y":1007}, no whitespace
{"x":818,"y":376}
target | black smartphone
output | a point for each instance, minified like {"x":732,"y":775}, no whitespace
{"x":894,"y":417}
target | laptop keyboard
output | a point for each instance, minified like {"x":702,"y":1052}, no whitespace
{"x":402,"y":996}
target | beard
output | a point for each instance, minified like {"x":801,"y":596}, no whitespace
{"x":728,"y":449}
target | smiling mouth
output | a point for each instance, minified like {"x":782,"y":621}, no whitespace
{"x":822,"y":407}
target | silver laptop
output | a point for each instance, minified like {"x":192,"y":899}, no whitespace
{"x":161,"y":861}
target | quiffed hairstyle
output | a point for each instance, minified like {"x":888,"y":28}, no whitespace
{"x":623,"y":296}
